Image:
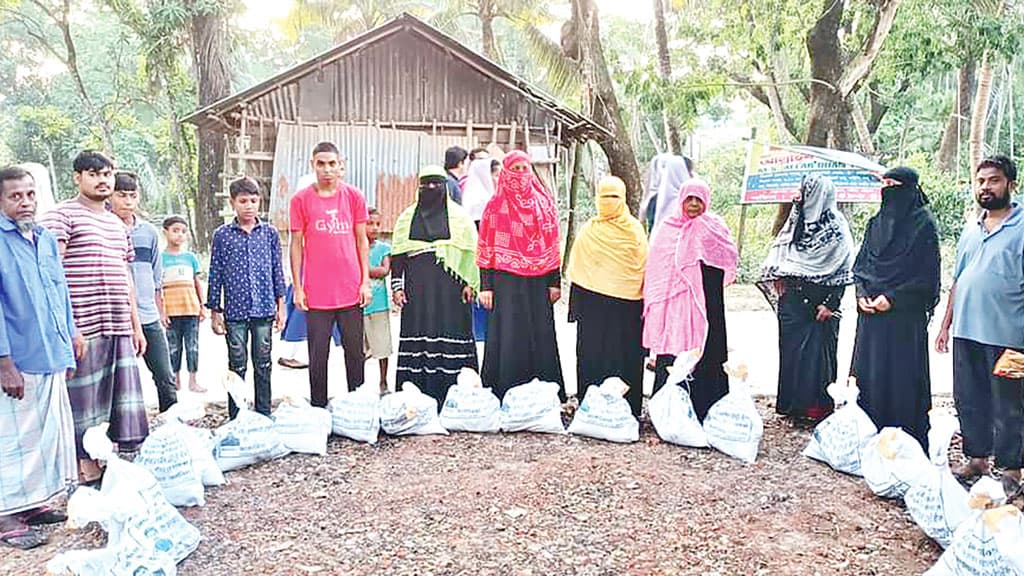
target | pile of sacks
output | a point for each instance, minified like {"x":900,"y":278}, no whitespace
{"x":732,"y":426}
{"x":980,"y":535}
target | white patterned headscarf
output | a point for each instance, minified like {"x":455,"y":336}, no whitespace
{"x":815,"y":245}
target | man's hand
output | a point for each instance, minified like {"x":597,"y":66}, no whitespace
{"x":554,"y":294}
{"x":365,"y":295}
{"x":217,"y":323}
{"x":881,"y":303}
{"x":467,"y":294}
{"x":486,"y":298}
{"x":165,"y":320}
{"x":298,"y":298}
{"x":139,"y":341}
{"x":279,"y":319}
{"x":202,"y":313}
{"x":866,"y":306}
{"x":823,"y":313}
{"x":80,"y":346}
{"x":398,"y":297}
{"x":942,"y":341}
{"x":11,"y":379}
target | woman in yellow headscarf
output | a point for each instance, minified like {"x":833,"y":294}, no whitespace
{"x":606,"y":268}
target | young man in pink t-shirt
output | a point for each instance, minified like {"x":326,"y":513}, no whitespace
{"x":330,"y":267}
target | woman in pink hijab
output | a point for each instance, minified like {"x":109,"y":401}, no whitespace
{"x":692,"y":259}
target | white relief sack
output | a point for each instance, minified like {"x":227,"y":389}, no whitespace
{"x":248,"y":439}
{"x":837,"y":439}
{"x":409,"y":412}
{"x":605,"y":414}
{"x":532,"y":407}
{"x":145,"y":534}
{"x":469,"y":407}
{"x":303,"y":428}
{"x":671,"y":408}
{"x":892,"y":462}
{"x":989,"y":542}
{"x":356,"y":414}
{"x":733,"y":424}
{"x":938,"y":504}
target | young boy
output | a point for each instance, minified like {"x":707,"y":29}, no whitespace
{"x":246,"y":293}
{"x":377,"y":315}
{"x":183,"y":297}
{"x":146,"y":273}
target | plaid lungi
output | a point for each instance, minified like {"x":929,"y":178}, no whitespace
{"x":37,"y":452}
{"x":106,"y":388}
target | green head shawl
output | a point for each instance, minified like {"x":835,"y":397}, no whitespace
{"x":457,"y":254}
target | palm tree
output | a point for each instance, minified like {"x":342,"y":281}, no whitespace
{"x":984,"y":88}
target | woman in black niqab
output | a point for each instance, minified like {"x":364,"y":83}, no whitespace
{"x":897,"y":278}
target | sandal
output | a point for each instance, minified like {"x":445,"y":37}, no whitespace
{"x":1012,"y":486}
{"x":292,"y":363}
{"x":43,"y":515}
{"x":970,"y":472}
{"x":89,"y":472}
{"x":24,"y":538}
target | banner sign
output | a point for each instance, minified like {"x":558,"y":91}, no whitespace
{"x":774,"y":173}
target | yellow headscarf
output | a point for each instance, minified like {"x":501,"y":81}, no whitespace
{"x":610,"y":251}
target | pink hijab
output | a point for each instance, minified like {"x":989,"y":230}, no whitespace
{"x":675,"y":316}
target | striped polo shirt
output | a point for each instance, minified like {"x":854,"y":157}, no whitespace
{"x":96,"y":260}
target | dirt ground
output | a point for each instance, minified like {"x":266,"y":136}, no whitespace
{"x":531,"y":504}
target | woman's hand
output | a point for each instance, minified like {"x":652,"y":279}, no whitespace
{"x":398,"y":297}
{"x":824,"y":313}
{"x":486,"y":298}
{"x":554,"y":294}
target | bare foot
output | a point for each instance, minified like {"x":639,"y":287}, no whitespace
{"x":177,"y":381}
{"x":194,"y":386}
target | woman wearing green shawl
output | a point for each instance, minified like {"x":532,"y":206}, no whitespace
{"x":434,"y":279}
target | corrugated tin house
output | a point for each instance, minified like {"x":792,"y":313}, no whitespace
{"x":392,"y":99}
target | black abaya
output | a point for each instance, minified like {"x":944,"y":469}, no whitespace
{"x":807,"y":349}
{"x":521,"y":343}
{"x":436,"y":339}
{"x":890,"y":361}
{"x":710,"y":382}
{"x":900,"y":260}
{"x":609,"y":334}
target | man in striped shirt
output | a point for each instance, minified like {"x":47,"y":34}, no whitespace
{"x":97,"y":251}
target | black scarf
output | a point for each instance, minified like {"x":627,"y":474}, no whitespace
{"x":901,"y":243}
{"x":430,"y":221}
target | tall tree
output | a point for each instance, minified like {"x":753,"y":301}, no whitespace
{"x":665,"y":71}
{"x":946,"y":157}
{"x":581,"y":40}
{"x":210,"y":57}
{"x":39,"y":18}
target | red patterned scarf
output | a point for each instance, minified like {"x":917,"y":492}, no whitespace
{"x":519,"y":227}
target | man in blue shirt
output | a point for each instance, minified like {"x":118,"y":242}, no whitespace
{"x":246,"y":293}
{"x":455,"y":168}
{"x":37,"y":345}
{"x":986,"y":313}
{"x":147,"y":273}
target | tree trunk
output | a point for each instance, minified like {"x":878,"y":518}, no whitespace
{"x":213,"y":80}
{"x":665,"y":72}
{"x":605,"y":105}
{"x":574,"y":188}
{"x":980,"y":113}
{"x":951,"y":138}
{"x":486,"y":15}
{"x":825,"y":106}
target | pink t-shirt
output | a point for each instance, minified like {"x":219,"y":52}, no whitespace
{"x":331,"y":272}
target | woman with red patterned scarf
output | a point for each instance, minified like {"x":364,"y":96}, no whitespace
{"x":519,"y":258}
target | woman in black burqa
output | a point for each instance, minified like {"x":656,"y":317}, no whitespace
{"x":897,"y":278}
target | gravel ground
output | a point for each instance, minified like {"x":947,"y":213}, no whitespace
{"x":530,"y":504}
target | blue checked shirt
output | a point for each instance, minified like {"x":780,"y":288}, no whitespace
{"x":36,"y":323}
{"x":246,"y":277}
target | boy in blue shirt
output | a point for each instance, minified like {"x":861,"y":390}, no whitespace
{"x":377,"y":316}
{"x":246,"y":293}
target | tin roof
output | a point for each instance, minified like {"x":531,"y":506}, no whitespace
{"x":404,"y":70}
